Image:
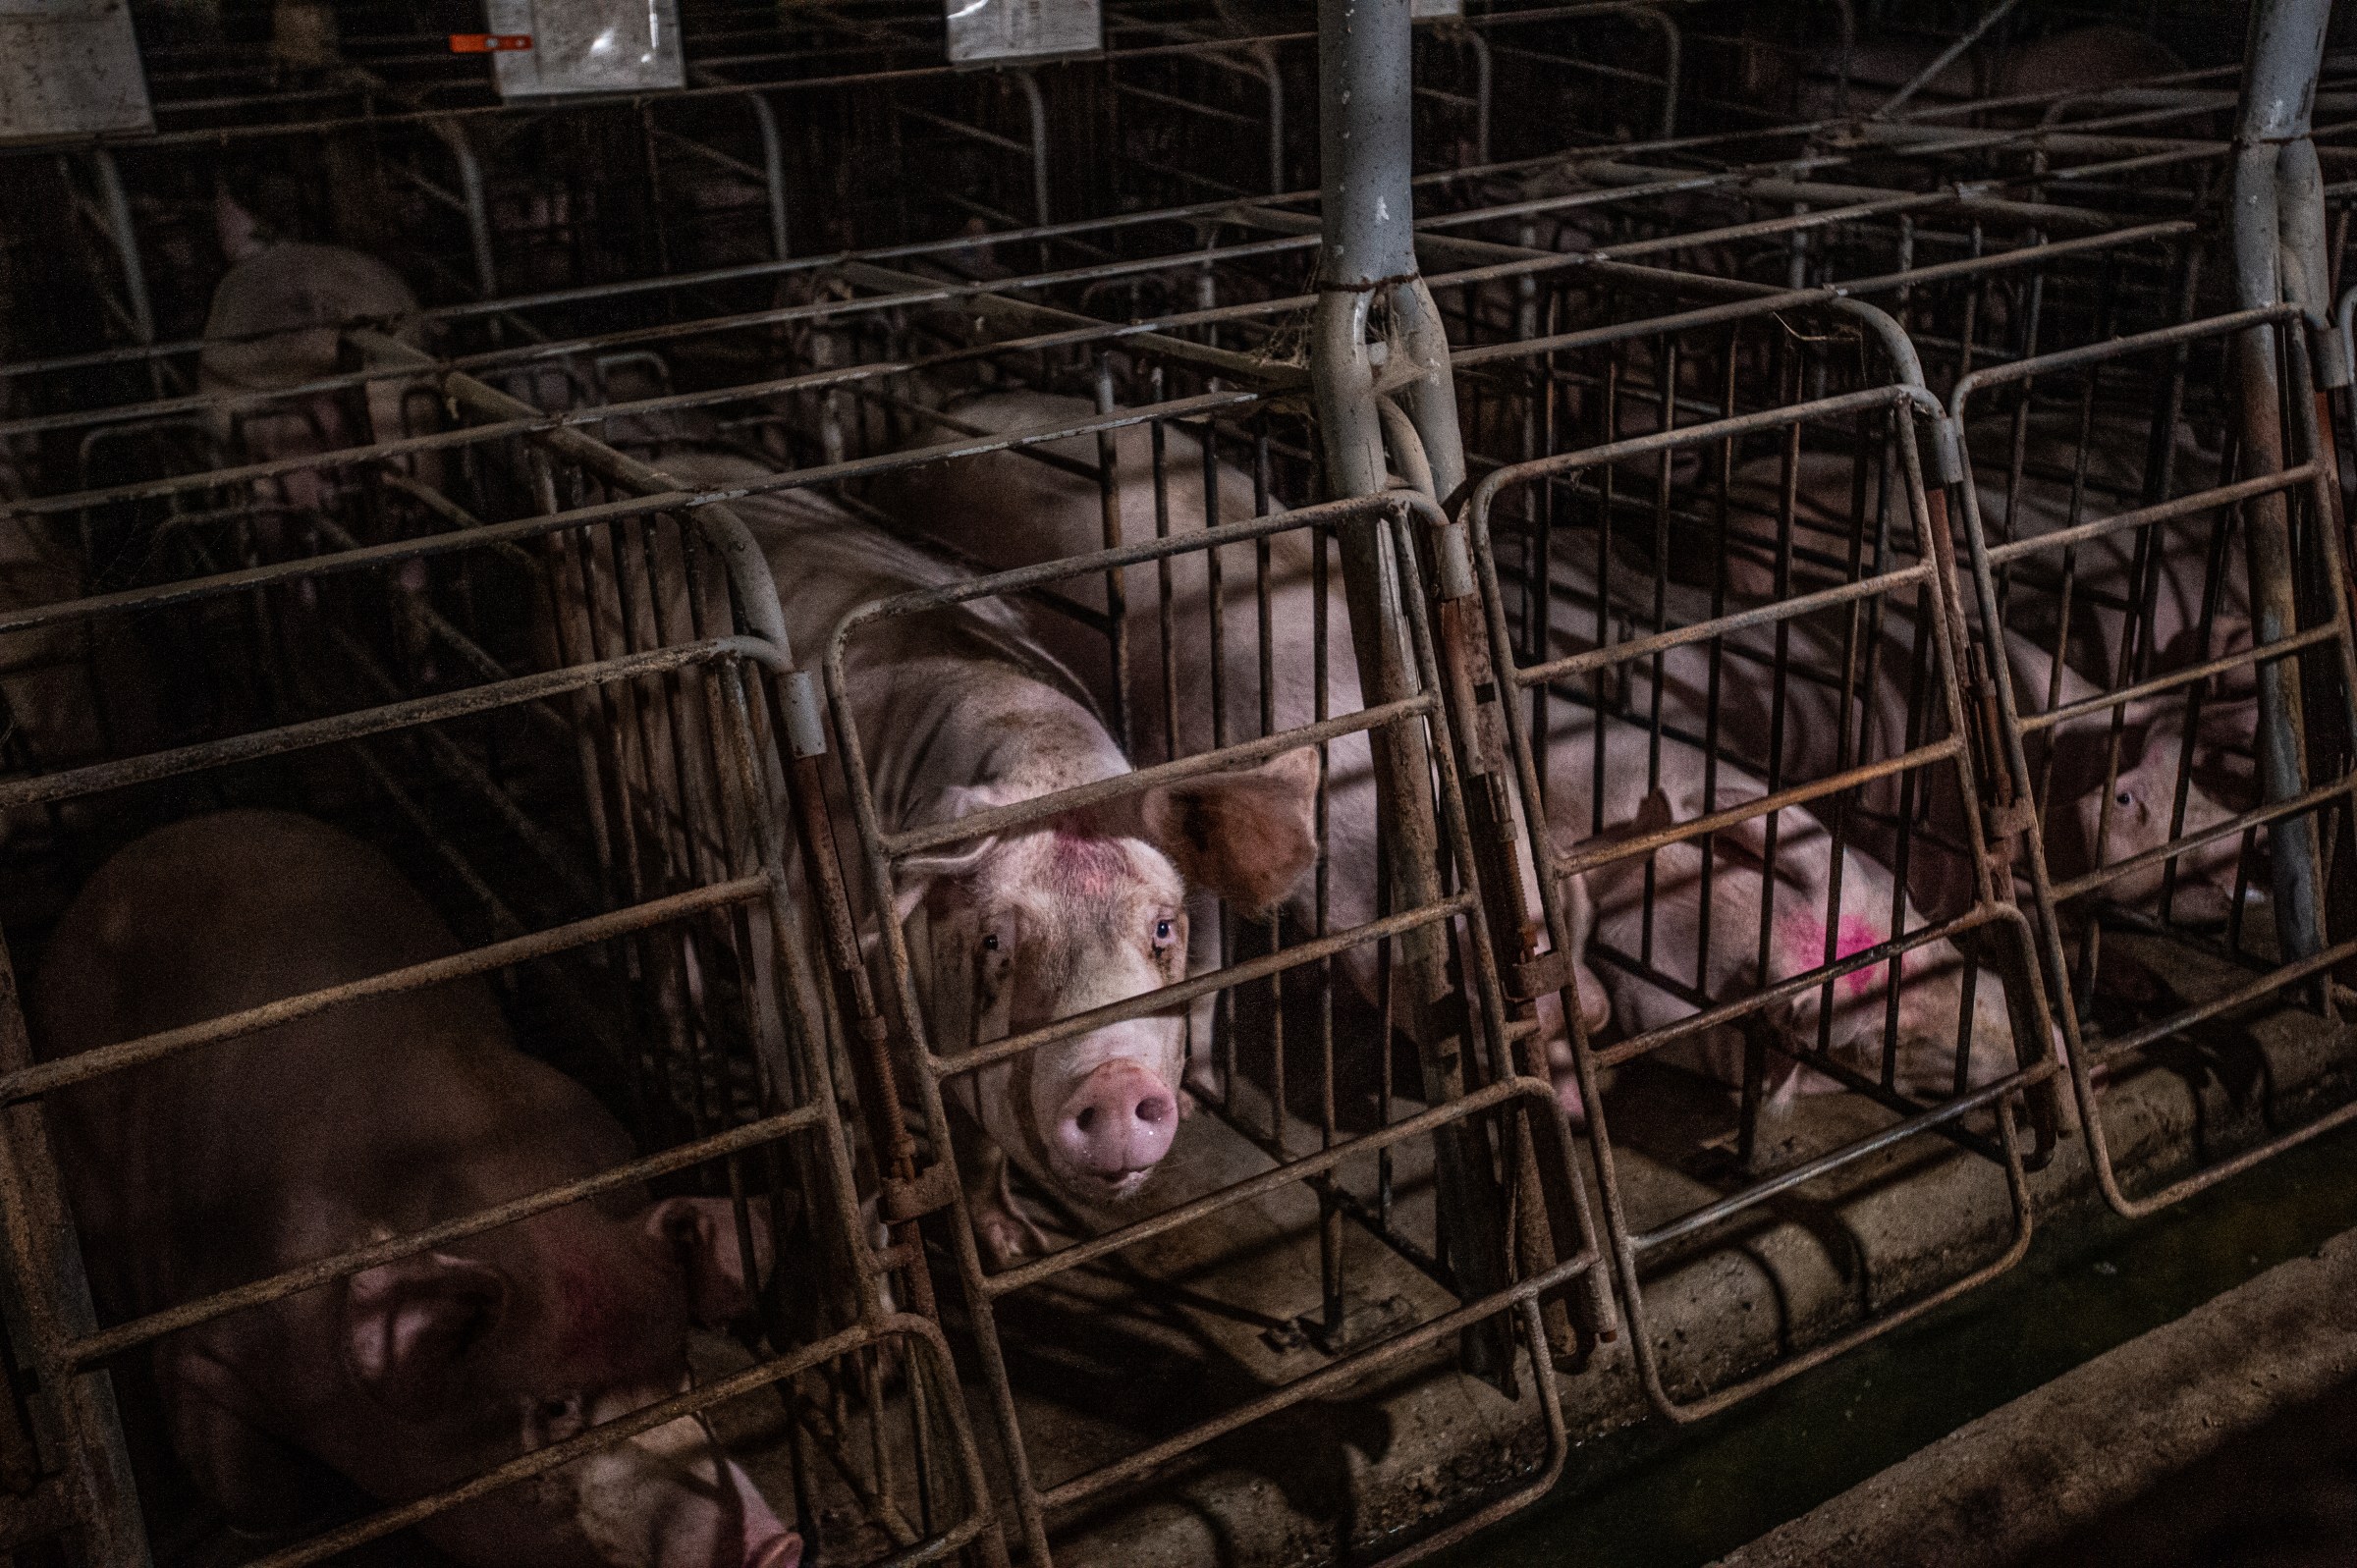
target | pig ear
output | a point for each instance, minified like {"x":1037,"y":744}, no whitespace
{"x":1248,"y":836}
{"x":238,"y":230}
{"x":917,"y":876}
{"x":1652,"y":815}
{"x":2082,"y":751}
{"x":701,"y":1233}
{"x":408,"y":1323}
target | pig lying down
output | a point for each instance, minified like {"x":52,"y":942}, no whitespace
{"x":960,"y":711}
{"x":242,"y":1158}
{"x":1652,"y":930}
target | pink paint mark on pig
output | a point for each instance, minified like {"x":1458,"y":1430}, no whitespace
{"x":1858,"y":934}
{"x":1089,"y":866}
{"x":1854,"y":936}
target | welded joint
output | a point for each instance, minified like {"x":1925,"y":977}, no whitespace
{"x":929,"y":1191}
{"x":1947,"y":449}
{"x":805,"y":725}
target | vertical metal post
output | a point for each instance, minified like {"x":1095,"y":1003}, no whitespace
{"x":38,"y":1247}
{"x":1367,"y":265}
{"x":453,"y":134}
{"x":126,"y":240}
{"x":2280,"y":59}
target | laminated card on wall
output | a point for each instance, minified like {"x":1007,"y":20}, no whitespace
{"x":1023,"y":29}
{"x":1429,"y":10}
{"x":586,"y":46}
{"x":69,"y":68}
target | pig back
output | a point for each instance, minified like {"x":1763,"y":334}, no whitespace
{"x":275,"y":316}
{"x":1005,"y":510}
{"x":237,"y":1159}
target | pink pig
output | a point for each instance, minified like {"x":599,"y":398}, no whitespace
{"x":241,"y":1159}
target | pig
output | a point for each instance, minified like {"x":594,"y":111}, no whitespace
{"x":1005,"y":510}
{"x":265,"y":1152}
{"x":962,"y":711}
{"x":1801,"y":904}
{"x":2085,"y":823}
{"x":2104,"y":568}
{"x":274,"y":323}
{"x":2088,"y":823}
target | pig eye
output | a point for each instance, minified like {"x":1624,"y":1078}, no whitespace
{"x":559,"y":1419}
{"x":1163,"y":936}
{"x":2125,"y":798}
{"x":990,"y":942}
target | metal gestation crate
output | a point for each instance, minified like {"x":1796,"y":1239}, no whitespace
{"x":1809,"y":358}
{"x":602,"y":829}
{"x":1703,"y":539}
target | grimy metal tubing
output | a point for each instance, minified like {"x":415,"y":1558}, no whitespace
{"x":2282,"y":55}
{"x":2299,"y":806}
{"x":1368,"y":258}
{"x":2025,"y":996}
{"x":51,"y":1290}
{"x":1460,"y":1113}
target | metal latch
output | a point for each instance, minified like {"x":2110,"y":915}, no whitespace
{"x":930,"y":1190}
{"x":1534,"y":978}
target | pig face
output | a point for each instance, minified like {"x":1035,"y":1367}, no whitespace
{"x":275,"y":322}
{"x":536,"y":1333}
{"x":2134,"y":817}
{"x":1087,"y":911}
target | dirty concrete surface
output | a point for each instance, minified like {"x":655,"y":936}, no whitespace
{"x":2096,"y":1465}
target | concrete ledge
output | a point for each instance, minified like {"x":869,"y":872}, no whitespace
{"x":2026,"y":1476}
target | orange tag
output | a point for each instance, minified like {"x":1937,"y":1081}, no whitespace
{"x":488,"y":43}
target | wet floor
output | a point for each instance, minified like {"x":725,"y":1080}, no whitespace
{"x":1660,"y":1497}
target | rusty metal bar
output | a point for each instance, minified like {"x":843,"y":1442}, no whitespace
{"x":40,"y":788}
{"x":48,"y":1077}
{"x":44,"y":1257}
{"x":88,"y":1351}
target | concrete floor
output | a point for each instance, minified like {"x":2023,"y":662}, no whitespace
{"x":1177,"y":1329}
{"x":2227,"y":1436}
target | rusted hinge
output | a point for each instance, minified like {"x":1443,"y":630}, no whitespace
{"x":929,"y":1191}
{"x":1534,"y":978}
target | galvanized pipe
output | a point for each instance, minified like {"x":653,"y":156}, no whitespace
{"x":1368,"y":258}
{"x":2282,"y":56}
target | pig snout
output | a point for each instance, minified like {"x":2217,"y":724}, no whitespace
{"x":670,"y":1498}
{"x":1117,"y":1123}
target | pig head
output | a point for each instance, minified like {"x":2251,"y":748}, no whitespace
{"x":960,"y":711}
{"x":1010,"y":511}
{"x":275,"y":323}
{"x":353,"y":1125}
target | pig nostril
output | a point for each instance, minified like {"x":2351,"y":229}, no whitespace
{"x":1086,"y":1122}
{"x":1153,"y":1108}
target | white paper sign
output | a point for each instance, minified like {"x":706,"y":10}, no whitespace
{"x":69,"y":68}
{"x":1023,"y":29}
{"x":587,"y":46}
{"x":1428,"y":10}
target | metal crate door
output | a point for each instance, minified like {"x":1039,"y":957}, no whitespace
{"x":2124,"y":559}
{"x":1639,"y":681}
{"x":954,"y":1038}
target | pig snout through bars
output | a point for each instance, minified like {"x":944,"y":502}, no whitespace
{"x":960,"y":711}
